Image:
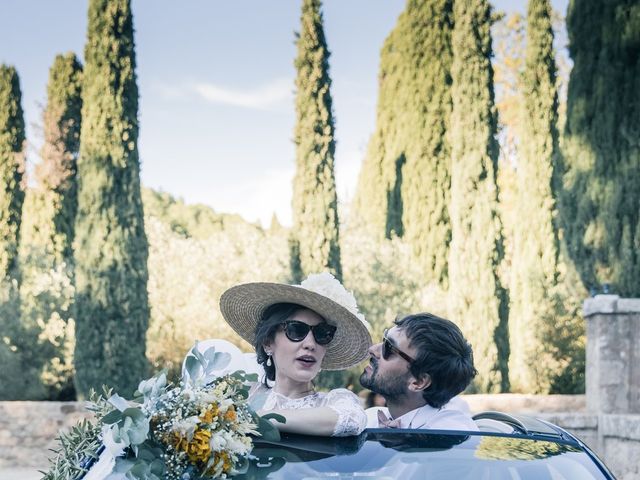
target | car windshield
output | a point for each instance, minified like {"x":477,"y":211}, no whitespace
{"x":384,"y":454}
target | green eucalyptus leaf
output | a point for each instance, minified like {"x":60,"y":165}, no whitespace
{"x":157,"y":468}
{"x":267,"y":430}
{"x":135,"y":414}
{"x":196,"y":353}
{"x":240,"y":375}
{"x":243,"y":393}
{"x":142,"y":470}
{"x":275,"y":416}
{"x":123,"y":465}
{"x":154,"y":386}
{"x":114,"y":416}
{"x":136,"y":425}
{"x":242,"y":466}
{"x":210,"y":353}
{"x":193,"y":367}
{"x":220,"y":360}
{"x":118,"y":402}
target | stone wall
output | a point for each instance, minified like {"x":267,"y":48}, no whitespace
{"x":614,"y":438}
{"x":28,"y":430}
{"x":613,"y":354}
{"x":619,"y":444}
{"x":526,"y":404}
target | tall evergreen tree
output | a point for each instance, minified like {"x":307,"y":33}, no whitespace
{"x":110,"y":246}
{"x":535,"y":253}
{"x":52,"y":228}
{"x":601,"y":200}
{"x":12,"y":142}
{"x":315,"y":236}
{"x":46,"y":254}
{"x":405,"y":180}
{"x":477,"y":299}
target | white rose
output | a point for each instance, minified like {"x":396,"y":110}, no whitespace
{"x":329,"y":286}
{"x":186,"y":427}
{"x":237,"y":446}
{"x":217,"y":442}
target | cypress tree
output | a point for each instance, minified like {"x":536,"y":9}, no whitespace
{"x":46,"y":253}
{"x":12,"y":142}
{"x":477,"y":299}
{"x":314,"y":244}
{"x":56,"y":174}
{"x":378,"y":200}
{"x":110,"y":246}
{"x":535,"y":253}
{"x":405,"y":180}
{"x":600,"y":198}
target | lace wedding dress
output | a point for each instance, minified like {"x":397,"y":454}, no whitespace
{"x":351,"y":417}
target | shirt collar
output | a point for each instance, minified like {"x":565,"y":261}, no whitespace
{"x":418,"y":417}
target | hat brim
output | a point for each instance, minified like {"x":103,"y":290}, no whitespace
{"x":242,"y":307}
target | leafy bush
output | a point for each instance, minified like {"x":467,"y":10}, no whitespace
{"x":188,"y":275}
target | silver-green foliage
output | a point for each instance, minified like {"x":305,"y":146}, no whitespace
{"x":80,"y":444}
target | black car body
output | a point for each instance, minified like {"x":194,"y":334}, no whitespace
{"x":507,"y":447}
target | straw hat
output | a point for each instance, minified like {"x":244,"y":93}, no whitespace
{"x":242,"y":307}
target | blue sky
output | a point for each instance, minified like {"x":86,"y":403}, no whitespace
{"x":216,"y":89}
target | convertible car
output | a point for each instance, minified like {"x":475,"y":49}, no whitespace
{"x":507,"y":447}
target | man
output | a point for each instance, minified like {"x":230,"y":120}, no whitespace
{"x":422,"y":363}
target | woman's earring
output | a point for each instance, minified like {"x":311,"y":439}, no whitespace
{"x":269,"y":363}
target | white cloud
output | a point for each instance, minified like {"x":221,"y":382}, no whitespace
{"x":171,"y":92}
{"x":259,"y":197}
{"x":262,"y":97}
{"x":254,"y":198}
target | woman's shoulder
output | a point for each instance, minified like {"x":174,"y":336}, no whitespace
{"x":342,"y":394}
{"x":341,"y":391}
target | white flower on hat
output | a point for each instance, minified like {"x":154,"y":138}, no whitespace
{"x":329,"y":286}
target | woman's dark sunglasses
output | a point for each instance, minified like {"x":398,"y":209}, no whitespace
{"x":297,"y":331}
{"x":388,"y":348}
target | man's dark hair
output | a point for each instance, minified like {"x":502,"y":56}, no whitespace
{"x":441,"y":352}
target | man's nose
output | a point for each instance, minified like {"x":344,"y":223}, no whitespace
{"x":374,"y":350}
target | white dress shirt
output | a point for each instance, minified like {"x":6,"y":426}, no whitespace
{"x":452,"y":416}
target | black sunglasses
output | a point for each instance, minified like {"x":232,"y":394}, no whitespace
{"x":388,"y":348}
{"x":297,"y":331}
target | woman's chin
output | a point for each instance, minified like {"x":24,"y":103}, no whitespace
{"x":306,"y":375}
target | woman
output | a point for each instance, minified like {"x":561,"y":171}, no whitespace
{"x":297,"y":330}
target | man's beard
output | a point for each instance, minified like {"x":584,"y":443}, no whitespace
{"x":389,"y":388}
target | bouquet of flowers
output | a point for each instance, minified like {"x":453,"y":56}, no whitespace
{"x":198,"y":429}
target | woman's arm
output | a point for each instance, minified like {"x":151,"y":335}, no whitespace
{"x":309,"y":421}
{"x":339,"y":414}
